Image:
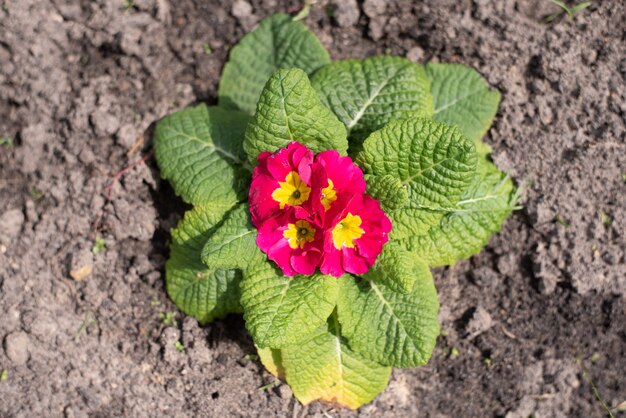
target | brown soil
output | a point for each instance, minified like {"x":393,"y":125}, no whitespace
{"x":82,"y":81}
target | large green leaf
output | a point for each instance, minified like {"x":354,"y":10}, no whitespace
{"x":433,"y":160}
{"x":409,"y":222}
{"x":233,"y":245}
{"x":323,"y":367}
{"x":278,"y":42}
{"x":198,"y":291}
{"x":465,"y":228}
{"x":389,"y":190}
{"x":389,"y":327}
{"x":397,"y":268}
{"x":199,"y":150}
{"x":280,"y":310}
{"x":463,"y":99}
{"x":272,"y":359}
{"x":367,"y":94}
{"x":289,"y":110}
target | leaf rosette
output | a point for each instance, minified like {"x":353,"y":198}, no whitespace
{"x":322,"y":194}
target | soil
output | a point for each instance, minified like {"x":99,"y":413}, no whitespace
{"x":82,"y":83}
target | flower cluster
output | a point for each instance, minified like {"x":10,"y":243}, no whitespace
{"x":311,"y":211}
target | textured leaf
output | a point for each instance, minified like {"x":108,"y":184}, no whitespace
{"x":272,"y":359}
{"x":277,"y":43}
{"x":389,"y":327}
{"x":367,"y":94}
{"x":199,"y":151}
{"x":281,"y":310}
{"x":324,"y":368}
{"x":233,"y":245}
{"x":409,"y":222}
{"x":463,"y":99}
{"x":397,"y":268}
{"x":289,"y":110}
{"x":387,"y":189}
{"x":198,"y":291}
{"x":434,"y":161}
{"x":466,"y":228}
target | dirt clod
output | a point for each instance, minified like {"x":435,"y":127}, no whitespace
{"x":11,"y":223}
{"x":373,"y":8}
{"x":170,"y":341}
{"x":16,"y":347}
{"x":346,"y":13}
{"x":242,"y":10}
{"x":479,"y":322}
{"x":284,"y":391}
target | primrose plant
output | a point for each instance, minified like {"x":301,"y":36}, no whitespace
{"x":322,"y":193}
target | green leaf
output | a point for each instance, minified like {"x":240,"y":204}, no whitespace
{"x":434,"y":161}
{"x":397,"y":268}
{"x":387,"y":189}
{"x":580,"y":6}
{"x":233,"y":245}
{"x":409,"y":222}
{"x":467,"y":227}
{"x":280,"y":310}
{"x":199,"y":151}
{"x":277,"y":43}
{"x":289,"y":110}
{"x":272,"y":359}
{"x":463,"y":99}
{"x":325,"y":368}
{"x":198,"y":291}
{"x":389,"y":327}
{"x":367,"y":94}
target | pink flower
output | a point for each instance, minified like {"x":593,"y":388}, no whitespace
{"x":335,"y":179}
{"x":355,"y":237}
{"x":313,"y":212}
{"x":281,"y":180}
{"x":294,"y":244}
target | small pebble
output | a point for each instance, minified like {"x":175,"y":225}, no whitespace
{"x":16,"y":347}
{"x":81,"y":265}
{"x":241,"y":9}
{"x":127,"y":136}
{"x":415,"y":54}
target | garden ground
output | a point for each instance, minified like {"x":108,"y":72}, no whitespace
{"x":82,"y":83}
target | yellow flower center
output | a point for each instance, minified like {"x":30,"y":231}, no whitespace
{"x":347,"y":231}
{"x":293,"y":191}
{"x":329,"y":195}
{"x":299,"y":234}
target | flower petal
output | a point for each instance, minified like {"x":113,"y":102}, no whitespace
{"x":268,"y":234}
{"x":331,"y":263}
{"x":346,"y":176}
{"x":352,"y":263}
{"x":369,"y":248}
{"x":305,"y":261}
{"x":280,"y":253}
{"x":262,"y":205}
